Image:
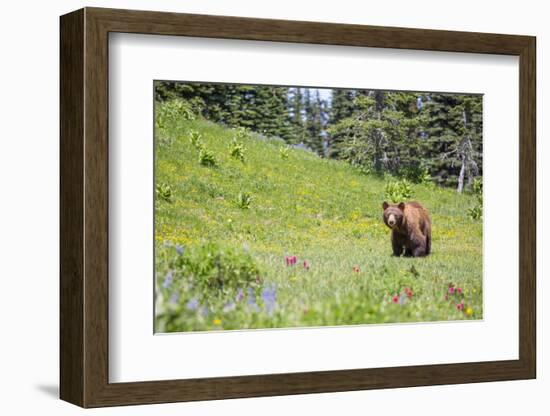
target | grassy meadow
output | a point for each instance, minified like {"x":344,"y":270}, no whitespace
{"x":272,"y":236}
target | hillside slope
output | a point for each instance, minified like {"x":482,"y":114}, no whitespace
{"x":326,"y":214}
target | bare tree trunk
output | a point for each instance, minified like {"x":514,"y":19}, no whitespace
{"x":463,"y":154}
{"x":460,"y":186}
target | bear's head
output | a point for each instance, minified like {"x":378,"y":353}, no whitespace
{"x":393,"y":214}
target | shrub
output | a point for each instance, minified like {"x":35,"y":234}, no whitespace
{"x":172,"y":111}
{"x":242,"y":133}
{"x":207,"y":158}
{"x":163,"y":192}
{"x":196,"y":139}
{"x":210,"y":287}
{"x":476,"y":212}
{"x":284,"y":152}
{"x":398,"y":190}
{"x":212,"y":272}
{"x":243,"y":200}
{"x":236,"y":150}
{"x":417,"y":174}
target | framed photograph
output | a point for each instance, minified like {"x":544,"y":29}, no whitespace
{"x":254,"y":207}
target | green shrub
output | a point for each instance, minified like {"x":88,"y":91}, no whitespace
{"x":284,"y":152}
{"x":207,"y":158}
{"x":196,"y":139}
{"x":163,"y":192}
{"x":418,"y":174}
{"x":244,"y":200}
{"x":476,"y":212}
{"x":172,"y":111}
{"x":210,"y":273}
{"x":237,"y":150}
{"x":398,"y":190}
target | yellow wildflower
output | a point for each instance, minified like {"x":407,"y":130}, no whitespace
{"x":217,"y":321}
{"x":469,"y":311}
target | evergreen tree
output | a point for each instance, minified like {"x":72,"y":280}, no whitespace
{"x":314,"y":121}
{"x":453,"y":127}
{"x":402,"y":133}
{"x":342,"y":105}
{"x":296,"y":112}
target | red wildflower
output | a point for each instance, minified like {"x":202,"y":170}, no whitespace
{"x":459,"y":290}
{"x":460,"y":306}
{"x":395,"y":299}
{"x":451,"y":290}
{"x":356,"y":269}
{"x":290,"y":260}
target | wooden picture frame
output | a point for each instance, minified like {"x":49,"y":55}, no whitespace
{"x":84,"y":207}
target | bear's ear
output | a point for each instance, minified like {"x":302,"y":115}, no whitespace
{"x":401,"y":206}
{"x":385,"y":205}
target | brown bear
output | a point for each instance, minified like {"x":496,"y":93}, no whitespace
{"x":411,"y":228}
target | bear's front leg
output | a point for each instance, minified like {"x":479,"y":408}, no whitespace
{"x":396,"y":244}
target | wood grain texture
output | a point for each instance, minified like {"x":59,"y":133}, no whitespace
{"x":527,"y":207}
{"x":84,"y":207}
{"x":71,"y":186}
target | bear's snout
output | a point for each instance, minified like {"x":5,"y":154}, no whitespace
{"x":391,"y":220}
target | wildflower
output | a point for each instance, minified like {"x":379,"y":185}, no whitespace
{"x":174,"y":298}
{"x":306,"y":265}
{"x":469,"y":311}
{"x":356,"y":269}
{"x":459,"y":290}
{"x":251,"y":301}
{"x":402,"y":299}
{"x":408,"y":292}
{"x":204,"y":311}
{"x":395,"y":299}
{"x":192,"y":304}
{"x":451,"y":290}
{"x":229,"y":306}
{"x":179,"y":249}
{"x":269,"y":298}
{"x":446,"y":297}
{"x":240,"y":295}
{"x":460,"y":306}
{"x":168,"y":279}
{"x":291,"y":260}
{"x":217,"y":321}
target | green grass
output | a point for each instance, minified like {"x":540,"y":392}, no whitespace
{"x":322,"y":211}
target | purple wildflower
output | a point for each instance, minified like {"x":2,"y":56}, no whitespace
{"x":240,"y":295}
{"x":229,"y":306}
{"x":179,"y":249}
{"x":204,"y":311}
{"x":168,"y":279}
{"x":174,"y":298}
{"x":192,"y":304}
{"x":269,"y":297}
